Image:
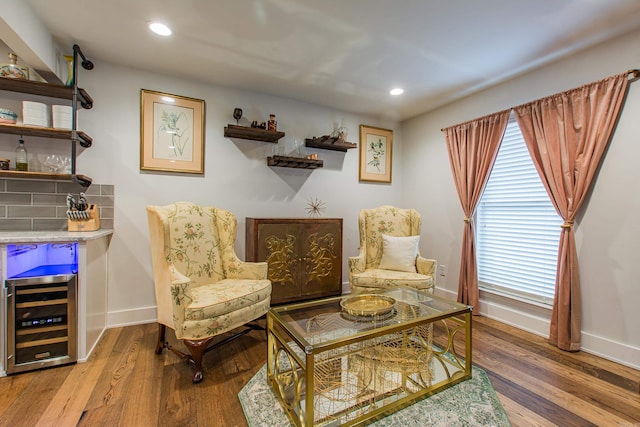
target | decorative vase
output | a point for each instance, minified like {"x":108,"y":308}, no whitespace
{"x":69,"y":60}
{"x":12,"y":70}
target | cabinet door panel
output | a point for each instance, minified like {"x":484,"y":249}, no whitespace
{"x":277,"y":244}
{"x":304,"y":255}
{"x":320,"y":251}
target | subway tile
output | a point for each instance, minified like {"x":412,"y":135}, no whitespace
{"x":27,"y":186}
{"x":31,"y":212}
{"x":15,"y":224}
{"x":106,"y":213}
{"x":93,"y":190}
{"x":70,"y":187}
{"x":49,"y":199}
{"x":15,"y":199}
{"x":61,"y":211}
{"x":41,"y":205}
{"x":106,"y":224}
{"x":49,"y":224}
{"x":107,"y":190}
{"x":102,"y":201}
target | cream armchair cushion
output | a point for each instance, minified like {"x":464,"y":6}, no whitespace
{"x":365,"y":270}
{"x":202,"y":288}
{"x":399,"y":253}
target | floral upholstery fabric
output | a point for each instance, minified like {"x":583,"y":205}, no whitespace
{"x":202,"y":287}
{"x":364,"y":274}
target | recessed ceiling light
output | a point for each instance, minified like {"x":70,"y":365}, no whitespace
{"x":396,"y":91}
{"x":160,"y":29}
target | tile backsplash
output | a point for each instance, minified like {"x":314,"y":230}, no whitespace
{"x":41,"y":205}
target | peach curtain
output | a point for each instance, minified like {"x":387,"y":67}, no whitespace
{"x":567,"y":135}
{"x":472,"y":148}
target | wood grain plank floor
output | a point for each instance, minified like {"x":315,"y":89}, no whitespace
{"x":124,"y":383}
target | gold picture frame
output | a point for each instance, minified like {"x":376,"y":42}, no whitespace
{"x":171,"y":133}
{"x":376,"y":148}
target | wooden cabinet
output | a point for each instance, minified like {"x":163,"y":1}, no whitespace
{"x":304,"y":256}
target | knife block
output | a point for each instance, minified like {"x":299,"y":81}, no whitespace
{"x":88,"y":220}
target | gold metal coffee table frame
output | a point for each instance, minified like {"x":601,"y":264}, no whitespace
{"x":328,"y":367}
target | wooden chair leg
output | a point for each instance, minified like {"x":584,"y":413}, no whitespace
{"x":162,"y":329}
{"x":197,"y":348}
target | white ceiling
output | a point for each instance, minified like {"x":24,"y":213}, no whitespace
{"x":344,"y":54}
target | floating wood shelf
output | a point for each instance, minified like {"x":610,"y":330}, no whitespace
{"x":329,"y":143}
{"x":84,"y":139}
{"x":81,"y":179}
{"x":294,"y":162}
{"x":45,"y":89}
{"x":254,"y":134}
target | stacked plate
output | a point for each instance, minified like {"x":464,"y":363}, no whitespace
{"x":62,"y":115}
{"x":35,"y":114}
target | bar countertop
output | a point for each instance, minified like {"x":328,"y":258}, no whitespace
{"x":51,"y":236}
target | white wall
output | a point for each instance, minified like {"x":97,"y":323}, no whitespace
{"x":607,"y":230}
{"x":236,"y":174}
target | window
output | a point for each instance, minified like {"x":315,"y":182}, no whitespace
{"x":517,"y":227}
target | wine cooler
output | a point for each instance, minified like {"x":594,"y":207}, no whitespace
{"x":41,"y":305}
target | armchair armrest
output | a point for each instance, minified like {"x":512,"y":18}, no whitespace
{"x":427,"y":267}
{"x":356,"y":265}
{"x":235,"y":268}
{"x":180,"y":297}
{"x":249,"y":270}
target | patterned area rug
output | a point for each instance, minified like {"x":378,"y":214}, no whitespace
{"x":470,"y":403}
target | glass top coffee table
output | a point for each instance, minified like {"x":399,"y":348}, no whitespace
{"x":346,"y":360}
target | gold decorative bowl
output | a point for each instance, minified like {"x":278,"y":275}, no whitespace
{"x":367,"y":305}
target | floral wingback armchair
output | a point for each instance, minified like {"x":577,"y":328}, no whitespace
{"x":202,"y":288}
{"x":389,"y":255}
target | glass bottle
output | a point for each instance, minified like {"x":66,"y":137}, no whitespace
{"x":22,"y":162}
{"x":272,"y":125}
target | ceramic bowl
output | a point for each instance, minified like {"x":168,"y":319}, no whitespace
{"x":7,"y":116}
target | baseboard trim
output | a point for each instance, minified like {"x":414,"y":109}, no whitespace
{"x":536,"y":319}
{"x":138,"y":316}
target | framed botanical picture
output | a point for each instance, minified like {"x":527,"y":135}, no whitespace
{"x":375,"y":154}
{"x":171,"y":133}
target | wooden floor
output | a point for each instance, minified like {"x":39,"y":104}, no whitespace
{"x":125,"y":383}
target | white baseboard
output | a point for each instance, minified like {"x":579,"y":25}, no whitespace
{"x":536,"y":319}
{"x":138,"y":316}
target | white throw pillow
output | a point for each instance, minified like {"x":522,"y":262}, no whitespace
{"x":399,"y":253}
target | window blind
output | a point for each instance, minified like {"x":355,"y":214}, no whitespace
{"x":517,"y":227}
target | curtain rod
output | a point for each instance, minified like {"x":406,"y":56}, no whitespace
{"x":634,"y":74}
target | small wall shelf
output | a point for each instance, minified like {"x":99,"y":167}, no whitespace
{"x":84,"y":139}
{"x":83,"y":180}
{"x":294,"y":162}
{"x":46,"y":89}
{"x":254,"y":134}
{"x":329,"y":143}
